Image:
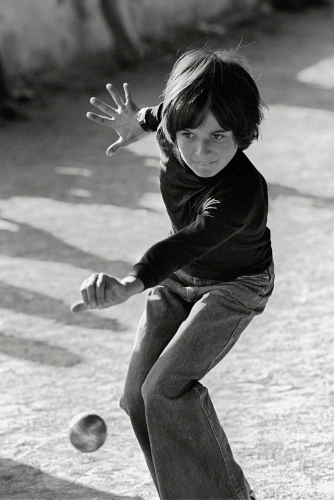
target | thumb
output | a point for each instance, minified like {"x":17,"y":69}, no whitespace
{"x":78,"y":307}
{"x":115,"y":147}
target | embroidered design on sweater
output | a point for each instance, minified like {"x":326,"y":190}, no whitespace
{"x":209,"y":205}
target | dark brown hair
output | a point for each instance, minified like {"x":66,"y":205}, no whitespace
{"x":218,"y":81}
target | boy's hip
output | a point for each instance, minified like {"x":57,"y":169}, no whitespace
{"x":251,"y":291}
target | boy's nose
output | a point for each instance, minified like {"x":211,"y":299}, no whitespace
{"x":203,"y":149}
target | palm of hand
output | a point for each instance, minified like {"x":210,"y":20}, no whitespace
{"x":122,"y":119}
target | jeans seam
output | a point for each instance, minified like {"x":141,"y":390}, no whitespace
{"x":229,"y":298}
{"x":237,"y":328}
{"x":217,"y":440}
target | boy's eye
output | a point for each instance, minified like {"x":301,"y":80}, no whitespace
{"x":191,"y":135}
{"x":187,"y":135}
{"x":218,"y":137}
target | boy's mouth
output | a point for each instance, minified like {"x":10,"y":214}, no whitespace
{"x":205,"y":163}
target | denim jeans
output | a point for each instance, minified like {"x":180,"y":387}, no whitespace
{"x":187,"y":327}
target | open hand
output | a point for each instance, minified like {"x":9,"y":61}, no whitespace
{"x":122,"y":119}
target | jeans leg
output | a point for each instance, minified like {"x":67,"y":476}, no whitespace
{"x":163,"y":314}
{"x":191,"y":454}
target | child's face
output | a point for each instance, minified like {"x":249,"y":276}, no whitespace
{"x":208,"y":148}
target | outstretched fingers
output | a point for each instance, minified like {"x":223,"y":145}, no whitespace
{"x":115,"y":95}
{"x":122,"y":119}
{"x":127,"y":93}
{"x":102,"y":120}
{"x":102,"y":106}
{"x":115,"y":147}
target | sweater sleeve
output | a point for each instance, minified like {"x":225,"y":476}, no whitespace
{"x":219,"y":221}
{"x":152,"y":118}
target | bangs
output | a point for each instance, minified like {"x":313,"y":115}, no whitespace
{"x":188,"y":113}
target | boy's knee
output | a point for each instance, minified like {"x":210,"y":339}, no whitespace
{"x":157,"y":387}
{"x":150,"y":389}
{"x":163,"y":386}
{"x":131,"y":401}
{"x":123,"y":404}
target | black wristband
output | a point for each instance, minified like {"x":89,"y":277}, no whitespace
{"x":141,"y":118}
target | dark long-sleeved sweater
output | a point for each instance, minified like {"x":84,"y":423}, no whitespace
{"x":219,"y":227}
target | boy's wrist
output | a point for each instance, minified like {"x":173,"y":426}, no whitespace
{"x":141,"y":119}
{"x":133,"y":285}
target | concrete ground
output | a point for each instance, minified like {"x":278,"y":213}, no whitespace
{"x":67,"y":210}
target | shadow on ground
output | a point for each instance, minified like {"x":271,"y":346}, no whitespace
{"x":37,"y":351}
{"x":78,"y":173}
{"x":25,"y":301}
{"x":29,"y":242}
{"x":276,"y":190}
{"x":23,"y":482}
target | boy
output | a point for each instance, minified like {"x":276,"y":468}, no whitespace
{"x":209,"y":278}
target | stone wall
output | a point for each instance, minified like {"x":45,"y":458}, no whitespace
{"x":37,"y":33}
{"x":41,"y":33}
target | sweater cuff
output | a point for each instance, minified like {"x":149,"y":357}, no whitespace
{"x":141,"y":271}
